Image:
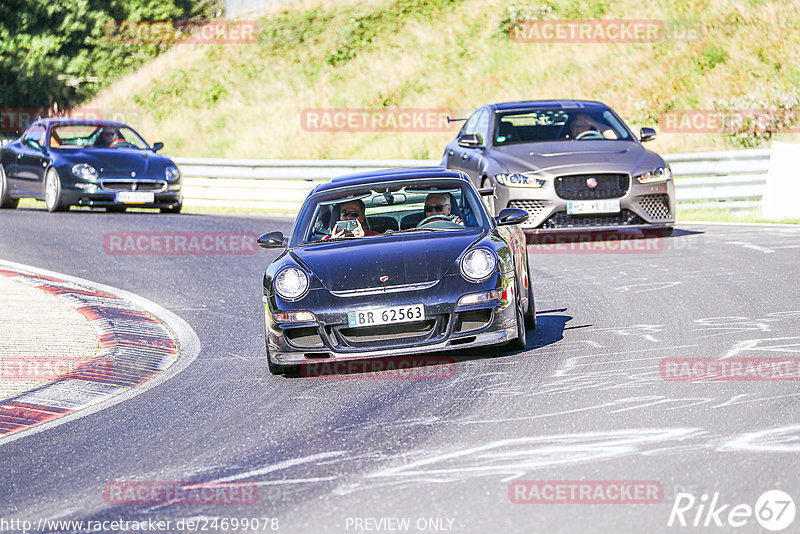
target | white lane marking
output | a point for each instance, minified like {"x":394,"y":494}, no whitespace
{"x":781,"y":439}
{"x":285,"y":464}
{"x":748,"y":245}
{"x":655,"y":286}
{"x":756,"y":346}
{"x":571,"y":363}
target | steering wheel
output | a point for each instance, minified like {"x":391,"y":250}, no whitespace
{"x":437,"y":217}
{"x":122,"y":143}
{"x":594,"y":133}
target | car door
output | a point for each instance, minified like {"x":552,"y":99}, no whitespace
{"x":472,"y":158}
{"x":32,"y":161}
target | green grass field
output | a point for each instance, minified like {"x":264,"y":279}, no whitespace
{"x":247,"y":100}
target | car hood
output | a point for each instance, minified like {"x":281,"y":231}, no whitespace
{"x":561,"y":157}
{"x":404,"y":259}
{"x":120,"y":163}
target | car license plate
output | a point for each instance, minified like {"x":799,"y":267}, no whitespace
{"x":593,"y":206}
{"x":394,"y":314}
{"x":136,"y":197}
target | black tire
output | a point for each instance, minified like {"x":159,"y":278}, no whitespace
{"x":52,"y":192}
{"x":521,"y":340}
{"x":174,"y":209}
{"x":116,"y":209}
{"x":6,"y":202}
{"x":274,"y":368}
{"x":530,"y":317}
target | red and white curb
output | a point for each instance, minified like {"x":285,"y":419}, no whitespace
{"x":141,"y":345}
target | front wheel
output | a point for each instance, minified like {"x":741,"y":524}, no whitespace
{"x":52,"y":192}
{"x":522,"y":338}
{"x":530,"y":317}
{"x":172,"y":209}
{"x":6,"y":202}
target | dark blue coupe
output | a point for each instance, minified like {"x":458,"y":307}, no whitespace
{"x":70,"y":162}
{"x":392,"y":263}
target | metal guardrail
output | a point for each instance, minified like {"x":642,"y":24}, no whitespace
{"x":728,"y":177}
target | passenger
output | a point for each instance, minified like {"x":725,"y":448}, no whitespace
{"x":349,"y":211}
{"x":439,"y":204}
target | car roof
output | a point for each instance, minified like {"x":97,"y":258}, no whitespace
{"x":411,"y":174}
{"x":60,"y":121}
{"x":528,"y":104}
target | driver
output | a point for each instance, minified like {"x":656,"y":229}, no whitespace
{"x":439,"y":204}
{"x":108,"y":138}
{"x":353,"y":210}
{"x":581,"y":123}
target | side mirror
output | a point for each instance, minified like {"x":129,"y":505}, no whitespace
{"x":158,"y":146}
{"x":647,"y":134}
{"x":511,"y":216}
{"x":470,"y":141}
{"x":272,"y":240}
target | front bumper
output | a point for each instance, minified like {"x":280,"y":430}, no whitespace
{"x":104,"y":199}
{"x":445,"y":327}
{"x":643,"y":206}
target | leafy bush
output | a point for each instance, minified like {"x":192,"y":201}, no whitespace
{"x":755,"y":118}
{"x":56,"y":54}
{"x":518,"y":14}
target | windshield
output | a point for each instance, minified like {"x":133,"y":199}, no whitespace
{"x":391,"y":208}
{"x":540,"y":125}
{"x":94,"y":135}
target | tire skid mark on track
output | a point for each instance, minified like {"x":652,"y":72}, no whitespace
{"x":134,"y":347}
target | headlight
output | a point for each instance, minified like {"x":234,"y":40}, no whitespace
{"x":291,"y":283}
{"x":84,"y":171}
{"x":478,"y":264}
{"x":518,"y":180}
{"x":659,"y":174}
{"x":172,"y":173}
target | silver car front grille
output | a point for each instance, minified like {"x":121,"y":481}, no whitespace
{"x":591,"y":186}
{"x":134,"y":185}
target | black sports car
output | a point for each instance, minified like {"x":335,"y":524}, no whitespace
{"x":392,"y":263}
{"x":70,"y":162}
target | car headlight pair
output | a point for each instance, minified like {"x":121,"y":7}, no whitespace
{"x":659,"y":174}
{"x":515,"y":179}
{"x":291,"y":283}
{"x":478,"y":264}
{"x":85,"y":172}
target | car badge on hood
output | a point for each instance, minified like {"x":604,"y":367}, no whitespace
{"x":133,"y":174}
{"x":383,"y":278}
{"x":591,"y":183}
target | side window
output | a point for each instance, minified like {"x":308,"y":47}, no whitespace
{"x":471,"y":126}
{"x":34,"y":137}
{"x":478,"y":124}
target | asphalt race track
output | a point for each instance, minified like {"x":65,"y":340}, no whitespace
{"x":585,"y":401}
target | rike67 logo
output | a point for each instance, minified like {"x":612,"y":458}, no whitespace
{"x":774,"y":510}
